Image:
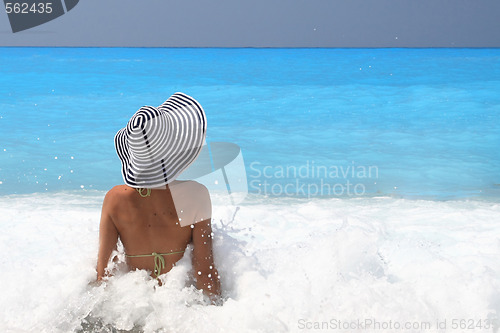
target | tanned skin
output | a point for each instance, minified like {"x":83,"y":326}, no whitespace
{"x":152,"y":224}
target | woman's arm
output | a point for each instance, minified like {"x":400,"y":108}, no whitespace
{"x":108,"y":236}
{"x":207,"y":277}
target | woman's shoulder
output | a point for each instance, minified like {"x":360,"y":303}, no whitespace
{"x":120,"y":190}
{"x":194,"y":197}
{"x":190,"y":186}
{"x":118,"y":194}
{"x":190,"y":192}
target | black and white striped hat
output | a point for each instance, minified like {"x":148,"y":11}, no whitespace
{"x":159,"y":143}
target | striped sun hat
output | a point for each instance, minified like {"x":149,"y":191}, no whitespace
{"x":159,"y":143}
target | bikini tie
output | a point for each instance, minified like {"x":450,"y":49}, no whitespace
{"x":141,"y":192}
{"x":159,"y":263}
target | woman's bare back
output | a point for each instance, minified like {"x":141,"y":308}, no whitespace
{"x":150,"y":224}
{"x":165,"y":221}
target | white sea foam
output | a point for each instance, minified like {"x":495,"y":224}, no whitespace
{"x":286,"y":265}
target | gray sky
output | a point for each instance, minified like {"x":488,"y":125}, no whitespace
{"x":267,"y":23}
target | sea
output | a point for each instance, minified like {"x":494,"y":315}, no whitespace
{"x":364,"y":194}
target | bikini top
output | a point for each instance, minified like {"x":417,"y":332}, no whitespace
{"x":158,"y":258}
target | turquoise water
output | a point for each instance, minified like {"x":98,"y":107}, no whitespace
{"x":310,"y":122}
{"x":388,"y":125}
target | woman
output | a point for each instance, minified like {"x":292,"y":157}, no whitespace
{"x":154,"y":215}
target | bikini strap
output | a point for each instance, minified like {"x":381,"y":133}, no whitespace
{"x":158,"y":258}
